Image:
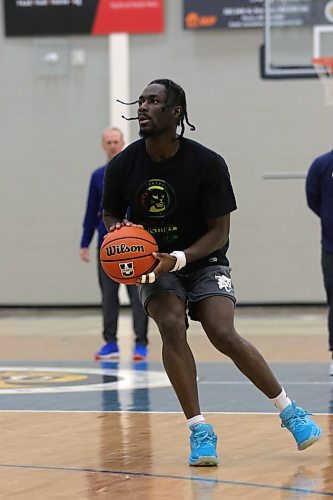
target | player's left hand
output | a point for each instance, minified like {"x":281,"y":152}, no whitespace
{"x":122,"y":223}
{"x":166,"y":263}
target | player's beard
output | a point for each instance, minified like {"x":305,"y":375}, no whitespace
{"x":145,"y":133}
{"x":151,"y":132}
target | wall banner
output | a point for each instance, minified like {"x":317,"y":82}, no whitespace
{"x":233,"y":14}
{"x":73,"y":17}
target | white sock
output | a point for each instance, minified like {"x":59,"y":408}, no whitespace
{"x":198,"y":419}
{"x":282,"y":400}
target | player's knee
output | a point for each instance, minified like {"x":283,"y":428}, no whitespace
{"x":171,"y":325}
{"x":225,"y":339}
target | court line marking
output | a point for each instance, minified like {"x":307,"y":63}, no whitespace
{"x":306,"y":491}
{"x":153,"y":412}
{"x":245,"y":382}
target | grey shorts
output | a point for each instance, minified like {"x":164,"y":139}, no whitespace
{"x":192,"y":287}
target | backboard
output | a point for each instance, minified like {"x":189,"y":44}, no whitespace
{"x":295,"y":32}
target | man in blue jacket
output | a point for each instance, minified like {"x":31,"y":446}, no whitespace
{"x":112,"y":143}
{"x":319,"y":192}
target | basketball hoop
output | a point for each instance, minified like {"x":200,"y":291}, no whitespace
{"x":324,"y":70}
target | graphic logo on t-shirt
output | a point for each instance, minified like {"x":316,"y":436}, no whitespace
{"x":156,"y":198}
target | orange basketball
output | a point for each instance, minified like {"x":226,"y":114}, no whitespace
{"x":126,"y":254}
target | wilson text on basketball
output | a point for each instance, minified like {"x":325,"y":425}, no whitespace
{"x":118,"y":249}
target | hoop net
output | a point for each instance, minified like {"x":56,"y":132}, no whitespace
{"x":324,"y":70}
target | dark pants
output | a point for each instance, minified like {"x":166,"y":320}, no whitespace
{"x":110,"y":309}
{"x":327,"y":266}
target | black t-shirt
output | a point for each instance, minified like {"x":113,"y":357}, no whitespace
{"x":172,"y":199}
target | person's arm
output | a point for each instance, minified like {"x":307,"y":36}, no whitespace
{"x":313,"y":194}
{"x":90,"y":219}
{"x":217,"y":202}
{"x":216,"y":237}
{"x":113,"y":203}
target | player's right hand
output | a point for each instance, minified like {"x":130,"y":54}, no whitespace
{"x":165,"y":264}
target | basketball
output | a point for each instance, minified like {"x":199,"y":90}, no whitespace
{"x":126,"y":254}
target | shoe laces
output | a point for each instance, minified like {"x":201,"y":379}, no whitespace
{"x":201,"y":437}
{"x":297,"y":420}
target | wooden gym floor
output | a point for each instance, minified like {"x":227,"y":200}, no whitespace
{"x":72,"y":428}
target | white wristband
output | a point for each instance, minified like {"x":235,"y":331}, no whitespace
{"x":180,"y":262}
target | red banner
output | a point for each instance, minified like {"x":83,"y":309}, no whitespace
{"x":79,"y":17}
{"x":128,"y":16}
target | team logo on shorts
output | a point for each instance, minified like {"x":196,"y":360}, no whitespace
{"x":224,"y":282}
{"x":126,"y":269}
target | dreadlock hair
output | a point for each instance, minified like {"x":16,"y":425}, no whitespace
{"x":175,"y":96}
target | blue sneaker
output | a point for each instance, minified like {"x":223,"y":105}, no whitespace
{"x":203,"y":445}
{"x":303,"y":428}
{"x":110,"y":350}
{"x":140,"y":352}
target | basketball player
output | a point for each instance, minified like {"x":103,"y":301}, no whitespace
{"x":112,"y":143}
{"x":181,"y":192}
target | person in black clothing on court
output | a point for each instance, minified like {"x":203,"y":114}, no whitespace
{"x":180,"y":191}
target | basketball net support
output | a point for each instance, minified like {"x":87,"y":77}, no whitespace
{"x":324,"y":69}
{"x":119,"y":81}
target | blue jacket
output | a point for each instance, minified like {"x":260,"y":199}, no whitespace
{"x":93,"y":218}
{"x":319,"y":192}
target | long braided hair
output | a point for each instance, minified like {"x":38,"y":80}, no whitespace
{"x":175,"y":95}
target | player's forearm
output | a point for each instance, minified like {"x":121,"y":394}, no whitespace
{"x":207,"y":244}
